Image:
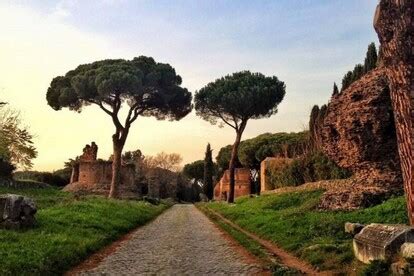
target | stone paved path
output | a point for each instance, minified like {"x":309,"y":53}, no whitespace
{"x":181,"y":241}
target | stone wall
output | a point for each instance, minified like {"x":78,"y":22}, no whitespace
{"x":358,"y":133}
{"x":242,"y":185}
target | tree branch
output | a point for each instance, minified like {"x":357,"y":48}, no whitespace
{"x":218,"y":114}
{"x":136,"y":114}
{"x":113,"y":115}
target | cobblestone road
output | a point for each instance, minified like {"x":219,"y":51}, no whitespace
{"x":181,"y":241}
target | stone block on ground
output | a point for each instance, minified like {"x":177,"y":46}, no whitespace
{"x":407,"y":251}
{"x":381,"y":241}
{"x":16,"y":211}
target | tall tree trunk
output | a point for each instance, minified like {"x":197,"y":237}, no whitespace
{"x":233,"y":159}
{"x":118,"y":145}
{"x":394,"y":23}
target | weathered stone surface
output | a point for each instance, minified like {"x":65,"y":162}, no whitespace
{"x":407,"y":251}
{"x":358,"y":131}
{"x":353,"y":228}
{"x":90,"y":152}
{"x":242,"y":185}
{"x":269,"y":165}
{"x":359,"y":134}
{"x":181,"y":241}
{"x":16,"y":211}
{"x":394,"y":23}
{"x":380,"y":241}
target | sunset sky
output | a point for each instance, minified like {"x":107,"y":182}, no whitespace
{"x":308,"y":44}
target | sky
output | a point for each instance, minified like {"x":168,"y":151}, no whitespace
{"x":308,"y":44}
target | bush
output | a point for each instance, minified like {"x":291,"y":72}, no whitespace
{"x":53,"y":179}
{"x":310,"y":168}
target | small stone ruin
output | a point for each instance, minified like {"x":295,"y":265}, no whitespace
{"x":16,"y":211}
{"x":242,"y":186}
{"x":93,"y":176}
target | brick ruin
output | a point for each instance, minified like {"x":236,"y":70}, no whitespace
{"x":394,"y":23}
{"x":242,"y":185}
{"x":93,"y":176}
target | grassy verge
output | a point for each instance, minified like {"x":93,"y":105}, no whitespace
{"x":292,"y":221}
{"x":67,"y":231}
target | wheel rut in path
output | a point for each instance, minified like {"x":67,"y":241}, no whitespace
{"x":284,"y":257}
{"x":181,"y":241}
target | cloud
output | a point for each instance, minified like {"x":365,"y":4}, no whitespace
{"x":63,"y":8}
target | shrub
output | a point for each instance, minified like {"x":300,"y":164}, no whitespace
{"x":53,"y":179}
{"x":309,"y":168}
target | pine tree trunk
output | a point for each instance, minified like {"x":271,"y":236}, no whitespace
{"x":118,"y":145}
{"x":233,"y":159}
{"x":394,"y":23}
{"x":232,"y":166}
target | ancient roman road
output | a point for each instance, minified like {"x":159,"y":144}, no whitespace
{"x":181,"y":241}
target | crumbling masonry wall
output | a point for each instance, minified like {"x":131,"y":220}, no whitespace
{"x":92,"y":176}
{"x":242,"y":185}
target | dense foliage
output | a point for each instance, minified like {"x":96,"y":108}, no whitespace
{"x":316,"y":120}
{"x":208,"y":185}
{"x":194,"y":170}
{"x":311,"y":167}
{"x":370,"y":63}
{"x":253,"y":151}
{"x":16,"y":145}
{"x":59,"y":178}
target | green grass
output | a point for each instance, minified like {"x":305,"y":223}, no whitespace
{"x":293,"y":222}
{"x":67,"y":230}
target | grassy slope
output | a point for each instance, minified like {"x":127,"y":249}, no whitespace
{"x":68,"y":230}
{"x":292,"y":221}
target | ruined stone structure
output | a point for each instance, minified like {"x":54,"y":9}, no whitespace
{"x":359,"y":131}
{"x":359,"y":134}
{"x":394,"y":23}
{"x":267,"y":167}
{"x":242,"y":185}
{"x":92,"y":176}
